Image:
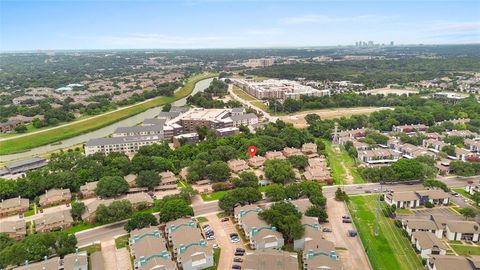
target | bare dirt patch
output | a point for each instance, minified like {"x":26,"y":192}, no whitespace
{"x":298,"y":119}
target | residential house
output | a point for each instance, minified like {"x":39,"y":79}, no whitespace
{"x":320,"y":254}
{"x":462,"y":133}
{"x":360,"y":146}
{"x":290,"y":151}
{"x":412,"y":151}
{"x":237,"y":165}
{"x":434,"y":196}
{"x":472,"y":188}
{"x":76,"y":261}
{"x":410,"y":128}
{"x":256,"y":161}
{"x":88,"y":190}
{"x":260,"y":234}
{"x":168,"y":178}
{"x":46,"y":264}
{"x":472,"y":145}
{"x":97,"y":261}
{"x":434,"y":144}
{"x":149,"y":249}
{"x":458,"y":230}
{"x":241,"y":211}
{"x":423,"y":225}
{"x":189,"y":246}
{"x":54,"y":197}
{"x":445,"y":262}
{"x":138,"y":199}
{"x":131,"y":180}
{"x":462,"y":154}
{"x":274,"y":155}
{"x":428,"y":244}
{"x":312,"y":234}
{"x":379,"y":156}
{"x":309,"y":148}
{"x":302,"y":205}
{"x":270,"y":260}
{"x":53,"y":221}
{"x":15,"y":229}
{"x":91,"y":208}
{"x":407,"y":199}
{"x":13,"y":206}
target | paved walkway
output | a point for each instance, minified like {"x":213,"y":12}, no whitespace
{"x":115,"y":259}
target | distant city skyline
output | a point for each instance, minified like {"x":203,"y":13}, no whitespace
{"x":189,"y":24}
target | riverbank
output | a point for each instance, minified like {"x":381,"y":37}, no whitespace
{"x":66,"y":131}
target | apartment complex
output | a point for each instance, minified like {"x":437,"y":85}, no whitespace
{"x":179,"y":125}
{"x":278,"y":89}
{"x":149,"y":249}
{"x":13,"y":206}
{"x":24,"y":166}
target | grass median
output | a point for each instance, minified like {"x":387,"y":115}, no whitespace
{"x":390,"y":249}
{"x":68,"y":131}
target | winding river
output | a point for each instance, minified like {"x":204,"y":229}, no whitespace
{"x":105,"y":131}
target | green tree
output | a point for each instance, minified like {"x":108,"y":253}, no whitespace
{"x":293,"y":191}
{"x":148,"y":179}
{"x":318,"y":212}
{"x":341,"y":195}
{"x":172,"y":209}
{"x":286,"y":218}
{"x":275,"y":192}
{"x":65,"y":243}
{"x":140,"y":220}
{"x":110,"y":186}
{"x":476,"y":198}
{"x":246,"y":179}
{"x":77,"y":210}
{"x":239,"y":196}
{"x":218,"y":171}
{"x":21,"y":128}
{"x":467,"y":212}
{"x":167,"y":107}
{"x":279,"y":171}
{"x":298,"y":161}
{"x":431,"y":183}
{"x":117,"y":210}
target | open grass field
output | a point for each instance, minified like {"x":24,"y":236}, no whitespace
{"x":24,"y":143}
{"x":466,"y":250}
{"x":462,"y":192}
{"x":298,"y":119}
{"x":214,"y":196}
{"x":390,"y":249}
{"x":343,"y":167}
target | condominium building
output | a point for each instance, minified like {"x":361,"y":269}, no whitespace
{"x":54,"y":197}
{"x":278,"y":89}
{"x":13,"y":206}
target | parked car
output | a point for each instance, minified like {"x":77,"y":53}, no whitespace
{"x":215,"y":246}
{"x":346,"y":221}
{"x":225,"y":219}
{"x":236,"y":267}
{"x":239,"y":253}
{"x":352,"y":233}
{"x":236,"y":259}
{"x":326,"y":230}
{"x":368,"y":191}
{"x":345,"y":217}
{"x":240,"y":250}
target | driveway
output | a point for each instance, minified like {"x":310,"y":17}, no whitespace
{"x":352,"y":254}
{"x":115,"y":259}
{"x":222,"y":238}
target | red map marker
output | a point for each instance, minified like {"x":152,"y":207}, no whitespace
{"x":252,"y":150}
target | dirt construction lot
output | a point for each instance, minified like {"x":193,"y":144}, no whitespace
{"x":298,"y":119}
{"x":349,"y":249}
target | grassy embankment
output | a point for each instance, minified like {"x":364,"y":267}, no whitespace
{"x":64,"y":132}
{"x":335,"y":161}
{"x":390,"y":249}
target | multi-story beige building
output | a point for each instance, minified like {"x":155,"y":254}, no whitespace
{"x":54,"y":197}
{"x":13,"y":206}
{"x":15,"y":229}
{"x":88,"y":190}
{"x":53,"y":221}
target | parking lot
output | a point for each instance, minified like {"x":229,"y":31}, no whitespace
{"x":444,"y":211}
{"x":349,"y":248}
{"x":222,"y":238}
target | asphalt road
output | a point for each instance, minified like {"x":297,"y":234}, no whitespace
{"x":108,"y":232}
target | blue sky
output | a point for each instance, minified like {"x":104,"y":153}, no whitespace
{"x":30,"y":25}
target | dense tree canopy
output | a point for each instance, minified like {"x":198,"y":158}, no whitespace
{"x":110,"y":186}
{"x":279,"y":171}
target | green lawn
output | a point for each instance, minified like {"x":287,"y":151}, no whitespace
{"x":92,"y":248}
{"x":351,"y":166}
{"x":462,"y":192}
{"x":249,"y":98}
{"x":122,"y":241}
{"x":202,"y":219}
{"x":216,"y":259}
{"x":334,"y":161}
{"x":63,"y":132}
{"x":30,"y":212}
{"x":403,"y":211}
{"x":217,"y":195}
{"x":79,"y":227}
{"x":466,"y":250}
{"x":390,"y":249}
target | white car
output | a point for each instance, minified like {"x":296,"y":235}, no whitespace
{"x":215,"y":246}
